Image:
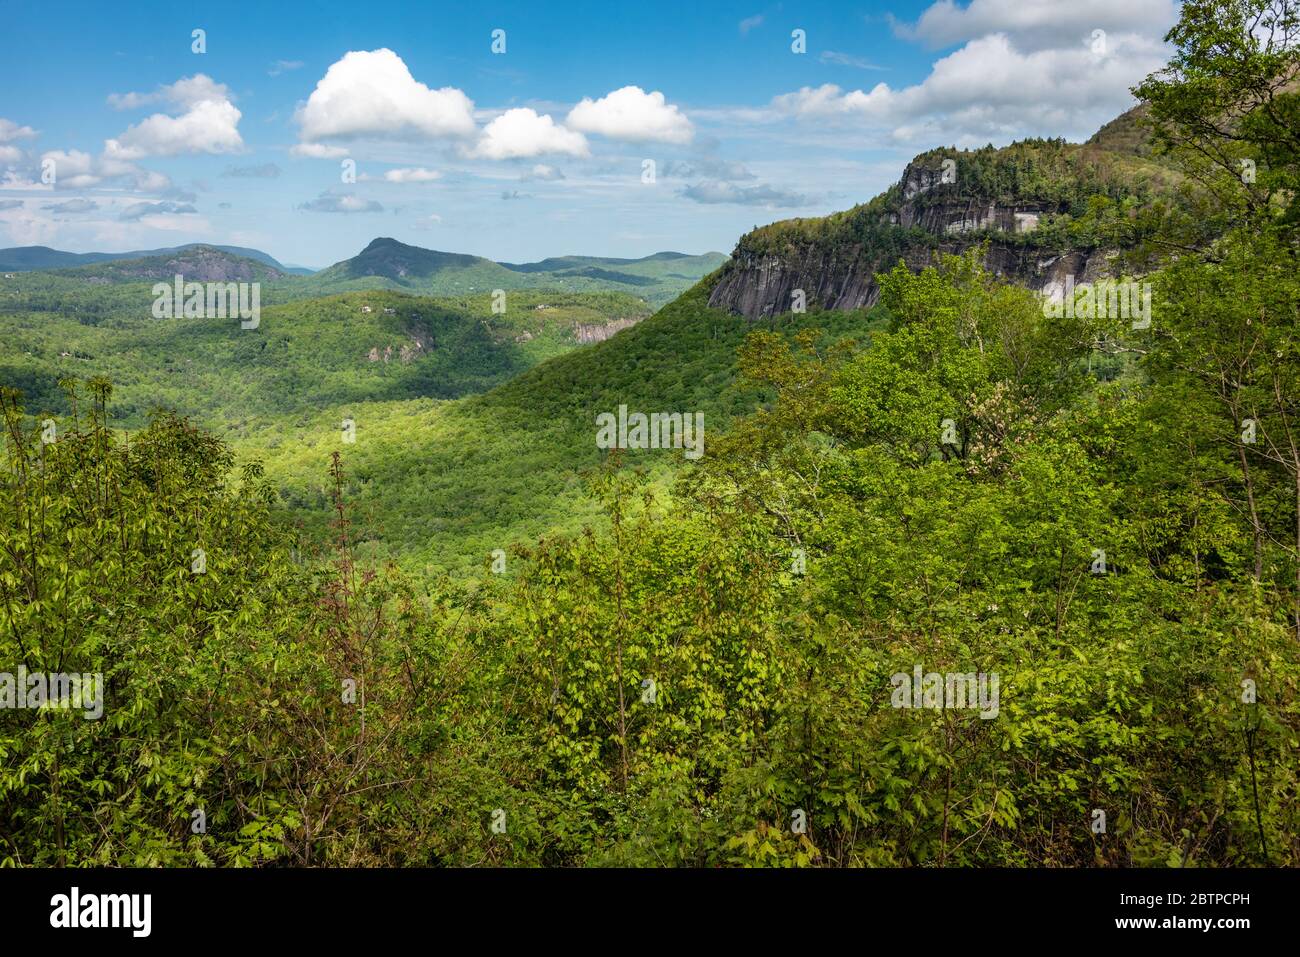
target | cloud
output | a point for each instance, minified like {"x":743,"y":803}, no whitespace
{"x":73,"y":169}
{"x":318,"y":151}
{"x":11,"y":204}
{"x":131,"y":101}
{"x":341,"y":203}
{"x":708,"y":168}
{"x":206,"y":121}
{"x":515,"y":194}
{"x":137,"y":211}
{"x":27,"y":228}
{"x":10,"y":131}
{"x":632,"y":114}
{"x":264,"y":171}
{"x":433,"y":219}
{"x":284,"y":66}
{"x":185,"y":92}
{"x":72,"y":206}
{"x":714,"y":192}
{"x":372,"y":93}
{"x":749,"y":23}
{"x":412,"y":175}
{"x":521,"y":133}
{"x":543,"y":173}
{"x":1038,"y":24}
{"x":990,"y":90}
{"x":846,"y":59}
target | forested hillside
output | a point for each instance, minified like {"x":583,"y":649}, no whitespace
{"x":960,"y":580}
{"x":440,"y":485}
{"x":305,"y":354}
{"x":1039,"y":211}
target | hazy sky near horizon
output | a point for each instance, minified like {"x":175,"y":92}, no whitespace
{"x":537,"y":149}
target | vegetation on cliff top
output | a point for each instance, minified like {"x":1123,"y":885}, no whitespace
{"x":1088,"y":195}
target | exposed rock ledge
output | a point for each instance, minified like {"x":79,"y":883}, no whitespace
{"x":764,"y":286}
{"x":599,"y":332}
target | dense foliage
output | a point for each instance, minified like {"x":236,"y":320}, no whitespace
{"x":439,"y":485}
{"x":1085,"y":194}
{"x":302,"y":356}
{"x":698,"y":663}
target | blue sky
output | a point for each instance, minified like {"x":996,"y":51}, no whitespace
{"x":536,"y":151}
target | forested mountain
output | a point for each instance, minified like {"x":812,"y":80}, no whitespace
{"x":22,"y":258}
{"x":1040,"y":211}
{"x":306,"y":354}
{"x":389,"y":264}
{"x":383,"y":264}
{"x":958,"y":580}
{"x":196,"y":263}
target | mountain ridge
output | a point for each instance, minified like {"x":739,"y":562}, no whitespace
{"x":1044,"y":209}
{"x":387,"y":263}
{"x":197,"y":263}
{"x":40,"y":258}
{"x":384,"y":263}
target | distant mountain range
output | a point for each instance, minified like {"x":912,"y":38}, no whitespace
{"x":384,"y":264}
{"x":389,"y":264}
{"x":28,"y":258}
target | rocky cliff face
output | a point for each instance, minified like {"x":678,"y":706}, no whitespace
{"x":765,"y":285}
{"x":599,"y":332}
{"x":835,"y":261}
{"x":210,"y":265}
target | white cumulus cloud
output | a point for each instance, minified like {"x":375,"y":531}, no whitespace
{"x":205,"y":121}
{"x":632,"y":114}
{"x":74,"y":169}
{"x":521,"y":132}
{"x":990,"y":90}
{"x":372,"y":93}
